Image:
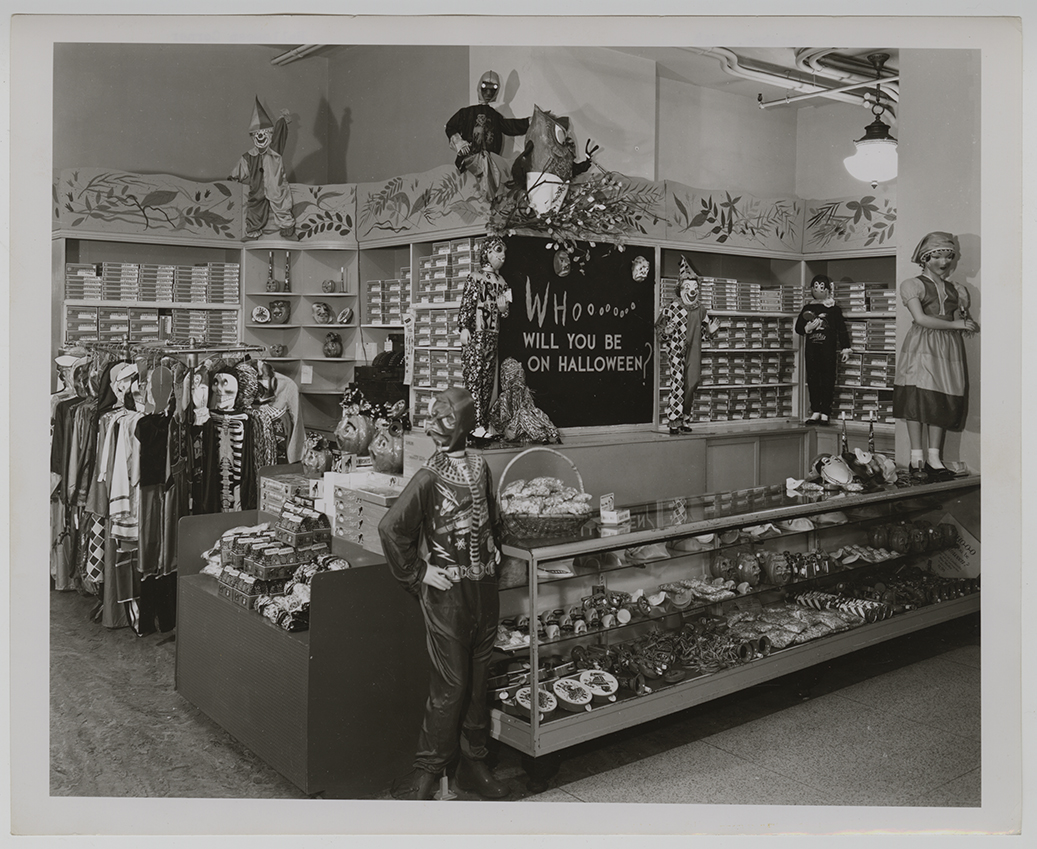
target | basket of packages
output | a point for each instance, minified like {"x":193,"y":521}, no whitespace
{"x":542,"y":507}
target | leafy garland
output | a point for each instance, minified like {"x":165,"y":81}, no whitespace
{"x":602,"y":207}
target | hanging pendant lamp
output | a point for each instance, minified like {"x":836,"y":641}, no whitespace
{"x":875,"y":160}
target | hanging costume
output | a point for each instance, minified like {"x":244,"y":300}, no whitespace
{"x":480,"y":315}
{"x":514,"y":414}
{"x":821,"y":351}
{"x":447,"y":510}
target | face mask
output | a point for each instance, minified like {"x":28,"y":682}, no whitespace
{"x":451,"y":419}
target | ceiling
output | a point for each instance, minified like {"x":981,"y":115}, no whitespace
{"x":765,"y":74}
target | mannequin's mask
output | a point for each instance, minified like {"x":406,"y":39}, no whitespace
{"x":639,"y":269}
{"x":451,"y":419}
{"x":262,"y":138}
{"x":489,"y":85}
{"x":224,"y":390}
{"x":689,"y":289}
{"x":494,"y":252}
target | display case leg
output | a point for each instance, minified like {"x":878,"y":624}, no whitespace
{"x":540,"y":771}
{"x":444,"y":793}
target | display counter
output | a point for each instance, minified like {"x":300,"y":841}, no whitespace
{"x":694,"y":591}
{"x":334,"y":709}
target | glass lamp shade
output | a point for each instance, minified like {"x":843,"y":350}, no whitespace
{"x":876,"y":158}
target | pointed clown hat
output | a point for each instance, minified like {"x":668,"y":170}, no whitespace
{"x":687,"y":272}
{"x":260,"y":120}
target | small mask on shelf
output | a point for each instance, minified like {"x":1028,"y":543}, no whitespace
{"x":322,"y":313}
{"x":280,"y":311}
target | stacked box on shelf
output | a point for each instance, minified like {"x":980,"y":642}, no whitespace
{"x":275,"y":490}
{"x":358,"y":512}
{"x":113,"y":323}
{"x":850,"y":296}
{"x":224,"y":282}
{"x":880,"y":297}
{"x":119,"y":281}
{"x":190,"y":324}
{"x":144,"y":325}
{"x":80,"y":324}
{"x":82,"y":282}
{"x":157,"y":282}
{"x":222,"y":327}
{"x":191,"y":284}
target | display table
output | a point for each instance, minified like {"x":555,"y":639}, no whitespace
{"x":335,"y":709}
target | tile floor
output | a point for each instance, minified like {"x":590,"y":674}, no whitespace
{"x":892,"y":724}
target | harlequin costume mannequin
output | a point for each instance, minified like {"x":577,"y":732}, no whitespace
{"x":821,"y":322}
{"x":681,"y":325}
{"x":484,"y":301}
{"x":438,"y":539}
{"x":931,"y":383}
{"x":262,"y":170}
{"x":476,"y":134}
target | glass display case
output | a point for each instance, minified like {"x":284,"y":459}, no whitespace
{"x":687,"y":600}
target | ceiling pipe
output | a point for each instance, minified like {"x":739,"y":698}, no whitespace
{"x":800,"y":81}
{"x":295,"y":54}
{"x":764,"y":104}
{"x":825,"y":62}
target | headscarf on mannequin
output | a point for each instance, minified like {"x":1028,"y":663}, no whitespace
{"x":933,"y":242}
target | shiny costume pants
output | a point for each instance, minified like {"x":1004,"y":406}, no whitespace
{"x":479,"y":369}
{"x":460,"y":628}
{"x":821,"y":368}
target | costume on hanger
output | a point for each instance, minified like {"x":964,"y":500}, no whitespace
{"x":261,"y":169}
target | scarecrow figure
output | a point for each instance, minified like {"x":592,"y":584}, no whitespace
{"x":476,"y":135}
{"x":681,"y":326}
{"x":262,"y":170}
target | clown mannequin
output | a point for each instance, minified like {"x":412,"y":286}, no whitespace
{"x":681,"y":326}
{"x":930,"y":389}
{"x":476,"y":135}
{"x":262,"y":170}
{"x":484,"y":302}
{"x":438,"y":539}
{"x":821,"y":322}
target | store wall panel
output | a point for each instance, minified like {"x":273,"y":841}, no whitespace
{"x":388,"y":105}
{"x":709,"y":138}
{"x":184,"y":109}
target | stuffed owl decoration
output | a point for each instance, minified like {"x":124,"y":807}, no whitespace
{"x":548,"y":160}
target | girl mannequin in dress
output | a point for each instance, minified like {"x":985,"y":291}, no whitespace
{"x":931,"y":386}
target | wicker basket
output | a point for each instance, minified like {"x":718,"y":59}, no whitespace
{"x":527,"y":526}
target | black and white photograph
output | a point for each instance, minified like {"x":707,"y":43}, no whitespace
{"x":574,"y":419}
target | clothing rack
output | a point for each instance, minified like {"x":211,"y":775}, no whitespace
{"x":127,"y":350}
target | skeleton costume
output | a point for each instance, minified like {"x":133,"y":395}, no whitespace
{"x":480,"y":313}
{"x":682,"y":325}
{"x":447,"y":514}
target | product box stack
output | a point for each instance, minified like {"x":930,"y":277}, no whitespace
{"x":82,"y":282}
{"x":80,"y":324}
{"x":113,"y":324}
{"x":436,"y":328}
{"x":257,"y":563}
{"x":222,"y":327}
{"x":880,"y":298}
{"x":276,"y":490}
{"x":724,"y":294}
{"x":191,"y":284}
{"x":224,"y":282}
{"x":145,"y":325}
{"x":442,"y":276}
{"x":881,"y":334}
{"x":156,"y":282}
{"x":360,"y":500}
{"x":388,"y":300}
{"x":851,"y":296}
{"x":119,"y":281}
{"x":190,"y":325}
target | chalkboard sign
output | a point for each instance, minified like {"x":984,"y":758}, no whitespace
{"x":585,"y":340}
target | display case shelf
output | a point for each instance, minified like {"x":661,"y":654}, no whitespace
{"x":669,"y":522}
